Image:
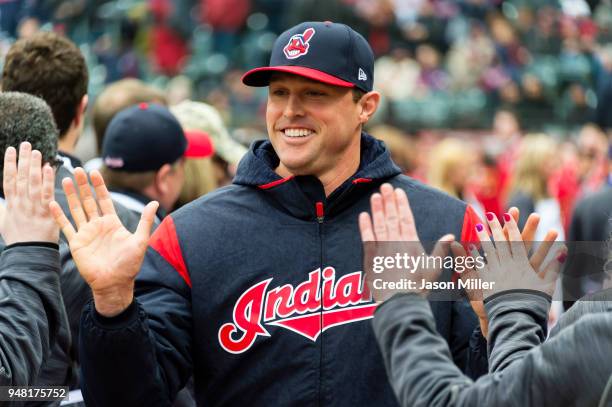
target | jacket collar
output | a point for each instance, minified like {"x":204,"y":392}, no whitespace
{"x":135,"y":202}
{"x":69,"y":161}
{"x":303,"y":196}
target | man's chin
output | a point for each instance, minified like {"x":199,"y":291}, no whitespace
{"x":295,"y":166}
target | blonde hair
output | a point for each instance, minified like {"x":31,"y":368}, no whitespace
{"x":400,"y":146}
{"x":199,"y":180}
{"x":528,"y":178}
{"x":444,"y":158}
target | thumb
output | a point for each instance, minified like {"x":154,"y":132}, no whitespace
{"x":143,"y":231}
{"x":442,"y":246}
{"x":550,"y":273}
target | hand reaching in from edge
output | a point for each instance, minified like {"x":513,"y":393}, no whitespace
{"x":28,"y":189}
{"x":536,"y":258}
{"x":508,"y":265}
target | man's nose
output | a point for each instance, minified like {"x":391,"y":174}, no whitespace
{"x":293,"y":107}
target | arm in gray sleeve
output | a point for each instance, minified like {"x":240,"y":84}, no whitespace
{"x":572,"y":369}
{"x":517,"y":325}
{"x":418,"y":361}
{"x":31,"y":311}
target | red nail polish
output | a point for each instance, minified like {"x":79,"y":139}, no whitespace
{"x":507,"y":217}
{"x":562,"y":257}
{"x":479,"y":227}
{"x":490,"y":216}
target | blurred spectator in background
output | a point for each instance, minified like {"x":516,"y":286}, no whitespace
{"x":593,"y":153}
{"x":114,"y":98}
{"x":226,"y":18}
{"x":583,"y":169}
{"x":169,"y":36}
{"x":536,"y":161}
{"x":143,"y":153}
{"x":11,"y":13}
{"x":548,"y":60}
{"x":452,"y":168}
{"x":603,"y":117}
{"x":396,"y":74}
{"x":199,"y":171}
{"x":200,"y":116}
{"x":592,"y":223}
{"x":50,"y":66}
{"x":178,"y":89}
{"x":432,"y":77}
{"x":500,"y":151}
{"x":399,"y":145}
{"x":469,"y":57}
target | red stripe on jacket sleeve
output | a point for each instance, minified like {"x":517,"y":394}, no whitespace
{"x":468,"y":231}
{"x":165,"y":242}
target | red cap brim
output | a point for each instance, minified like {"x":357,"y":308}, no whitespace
{"x":261,"y":76}
{"x":199,"y":144}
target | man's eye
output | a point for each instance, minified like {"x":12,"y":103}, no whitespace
{"x":315,"y":93}
{"x":279,"y":92}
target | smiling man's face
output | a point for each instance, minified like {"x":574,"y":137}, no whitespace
{"x":313,"y":127}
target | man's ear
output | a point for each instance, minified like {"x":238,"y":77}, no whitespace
{"x":80,"y":114}
{"x":161,"y":179}
{"x":369,"y":103}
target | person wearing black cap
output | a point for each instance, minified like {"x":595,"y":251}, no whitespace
{"x":256,"y":288}
{"x":143,"y":152}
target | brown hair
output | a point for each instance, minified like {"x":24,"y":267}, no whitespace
{"x":118,"y":96}
{"x":51,"y":67}
{"x":357,"y":94}
{"x":133,"y":181}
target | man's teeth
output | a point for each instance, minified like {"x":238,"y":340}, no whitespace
{"x":297,"y":132}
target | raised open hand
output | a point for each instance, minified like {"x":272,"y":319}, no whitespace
{"x":28,"y":189}
{"x":508,"y":266}
{"x":107,"y":255}
{"x":535,"y":259}
{"x":392,"y":222}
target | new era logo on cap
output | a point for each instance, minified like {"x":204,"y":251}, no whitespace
{"x":362,"y":75}
{"x":298,"y":44}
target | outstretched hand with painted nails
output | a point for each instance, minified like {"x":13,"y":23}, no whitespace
{"x":508,"y":266}
{"x":536,"y":258}
{"x":391,"y":230}
{"x":107,"y":255}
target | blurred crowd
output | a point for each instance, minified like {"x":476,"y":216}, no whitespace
{"x":483,"y":72}
{"x":440,"y":63}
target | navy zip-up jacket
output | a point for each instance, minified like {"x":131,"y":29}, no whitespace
{"x":256,"y":289}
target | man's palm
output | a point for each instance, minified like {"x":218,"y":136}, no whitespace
{"x":107,"y":255}
{"x":106,"y":252}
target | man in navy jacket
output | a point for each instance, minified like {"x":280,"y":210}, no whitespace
{"x":256,"y":288}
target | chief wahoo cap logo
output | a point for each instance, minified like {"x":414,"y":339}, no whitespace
{"x":298,"y":44}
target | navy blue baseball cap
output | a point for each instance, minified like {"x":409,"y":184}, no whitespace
{"x":144,"y":137}
{"x":326,"y":52}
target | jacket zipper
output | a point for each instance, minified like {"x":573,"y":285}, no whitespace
{"x":320,"y":212}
